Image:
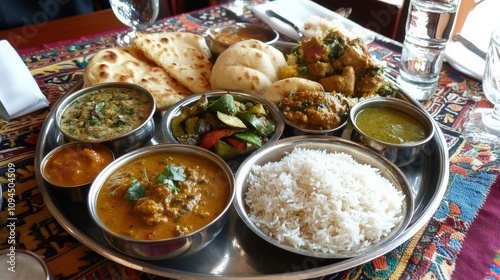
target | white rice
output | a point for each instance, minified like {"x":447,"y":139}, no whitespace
{"x":320,"y":201}
{"x":321,"y":26}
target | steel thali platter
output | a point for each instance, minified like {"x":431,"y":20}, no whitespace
{"x":238,"y":253}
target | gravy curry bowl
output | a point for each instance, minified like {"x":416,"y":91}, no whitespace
{"x":227,"y":123}
{"x":71,"y":168}
{"x":393,"y":127}
{"x":118,"y":115}
{"x":220,"y":38}
{"x":163,"y":201}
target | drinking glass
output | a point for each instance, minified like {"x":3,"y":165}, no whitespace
{"x":138,"y":14}
{"x":240,"y":7}
{"x":428,"y":28}
{"x":491,"y":83}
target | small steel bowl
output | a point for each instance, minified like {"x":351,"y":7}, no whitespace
{"x":213,"y":95}
{"x":75,"y":191}
{"x":400,"y":154}
{"x":363,"y":155}
{"x":171,"y":247}
{"x":296,"y":130}
{"x":121,"y":144}
{"x":250,"y":31}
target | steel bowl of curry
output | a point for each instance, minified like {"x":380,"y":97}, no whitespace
{"x":315,"y":112}
{"x":163,"y":201}
{"x":118,"y":115}
{"x":230,"y":124}
{"x":72,"y":167}
{"x":395,"y":128}
{"x":220,"y":38}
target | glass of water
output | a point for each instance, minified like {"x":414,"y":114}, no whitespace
{"x":428,"y":29}
{"x":138,"y":14}
{"x":491,"y":83}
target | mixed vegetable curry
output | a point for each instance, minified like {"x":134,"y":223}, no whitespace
{"x":340,"y":64}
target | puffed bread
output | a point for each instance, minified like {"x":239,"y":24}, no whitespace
{"x":282,"y":88}
{"x":248,"y":66}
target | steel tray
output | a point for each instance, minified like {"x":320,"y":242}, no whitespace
{"x":237,"y":253}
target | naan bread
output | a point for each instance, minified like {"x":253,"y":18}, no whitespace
{"x":185,"y":56}
{"x":282,"y":88}
{"x":248,"y":66}
{"x":126,"y":64}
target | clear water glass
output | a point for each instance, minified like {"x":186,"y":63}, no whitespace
{"x":137,"y":14}
{"x":491,"y":83}
{"x":428,"y":29}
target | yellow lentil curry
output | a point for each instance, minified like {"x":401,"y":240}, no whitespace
{"x":390,"y":125}
{"x":232,"y":37}
{"x":162,"y":195}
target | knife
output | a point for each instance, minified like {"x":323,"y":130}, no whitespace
{"x":272,"y":13}
{"x":469,"y":45}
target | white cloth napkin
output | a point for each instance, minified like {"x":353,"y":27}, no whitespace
{"x":298,"y":11}
{"x":19,"y":92}
{"x":479,"y":25}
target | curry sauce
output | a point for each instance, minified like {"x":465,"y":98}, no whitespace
{"x":76,"y":164}
{"x":162,"y":195}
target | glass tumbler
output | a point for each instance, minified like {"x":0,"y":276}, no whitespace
{"x":428,"y":29}
{"x":138,"y":14}
{"x":491,"y":83}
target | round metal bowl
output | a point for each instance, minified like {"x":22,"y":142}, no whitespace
{"x":171,"y":247}
{"x":121,"y":144}
{"x":73,"y":192}
{"x":297,"y":130}
{"x":321,"y":106}
{"x":213,"y":95}
{"x":250,"y":31}
{"x":400,"y":154}
{"x":360,"y":153}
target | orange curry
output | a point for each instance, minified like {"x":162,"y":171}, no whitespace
{"x":76,"y":164}
{"x":162,"y":195}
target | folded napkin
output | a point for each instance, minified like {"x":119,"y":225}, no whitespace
{"x":477,"y":29}
{"x":19,"y":92}
{"x":298,"y":11}
{"x":464,"y":60}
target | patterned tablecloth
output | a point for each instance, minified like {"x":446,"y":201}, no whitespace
{"x":460,"y":241}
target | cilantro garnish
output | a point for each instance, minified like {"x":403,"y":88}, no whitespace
{"x":170,"y":176}
{"x":118,"y":123}
{"x":135,"y":190}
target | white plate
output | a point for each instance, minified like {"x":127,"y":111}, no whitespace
{"x":298,"y":11}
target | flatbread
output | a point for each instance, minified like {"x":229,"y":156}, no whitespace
{"x":129,"y":65}
{"x":185,"y":56}
{"x":248,"y":66}
{"x":282,"y":88}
